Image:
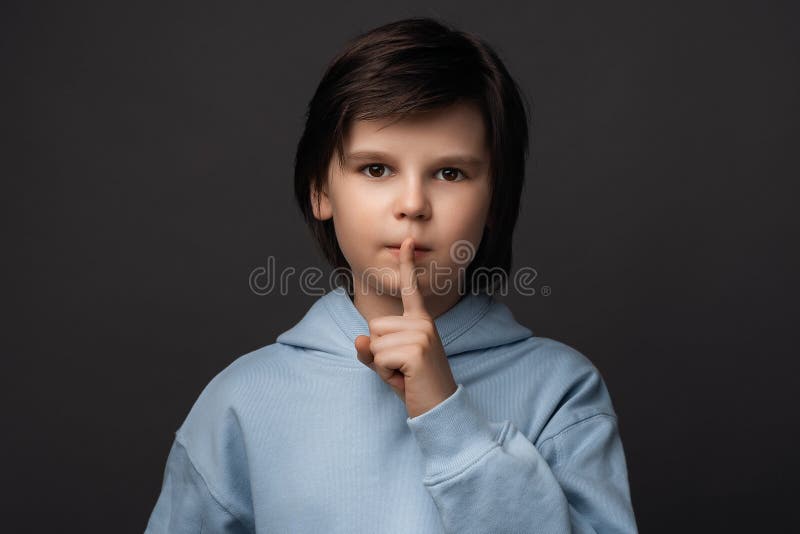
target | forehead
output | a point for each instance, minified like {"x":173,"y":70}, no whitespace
{"x":459,"y":127}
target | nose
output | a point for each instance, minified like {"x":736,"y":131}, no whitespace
{"x":412,"y":200}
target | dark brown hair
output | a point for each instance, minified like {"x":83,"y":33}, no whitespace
{"x":410,"y":66}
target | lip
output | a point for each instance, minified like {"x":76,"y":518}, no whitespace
{"x":418,"y":252}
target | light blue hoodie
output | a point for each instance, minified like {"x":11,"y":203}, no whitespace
{"x":301,"y":437}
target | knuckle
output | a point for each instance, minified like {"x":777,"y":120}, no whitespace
{"x":426,"y":339}
{"x":428,"y":328}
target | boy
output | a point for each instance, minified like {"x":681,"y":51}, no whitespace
{"x":410,"y":401}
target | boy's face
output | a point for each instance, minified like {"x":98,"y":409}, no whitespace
{"x":417,"y":186}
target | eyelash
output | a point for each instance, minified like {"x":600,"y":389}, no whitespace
{"x":463,"y":174}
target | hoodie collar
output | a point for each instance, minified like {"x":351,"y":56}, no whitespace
{"x":476,"y":321}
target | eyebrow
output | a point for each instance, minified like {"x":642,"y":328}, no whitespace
{"x":376,"y":155}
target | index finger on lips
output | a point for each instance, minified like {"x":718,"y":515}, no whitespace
{"x":413,"y":301}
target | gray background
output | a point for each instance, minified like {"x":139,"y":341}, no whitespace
{"x":147,"y":170}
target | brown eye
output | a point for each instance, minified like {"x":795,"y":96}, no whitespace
{"x":374,"y":170}
{"x":451,"y":174}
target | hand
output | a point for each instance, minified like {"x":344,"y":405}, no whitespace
{"x":406,"y":351}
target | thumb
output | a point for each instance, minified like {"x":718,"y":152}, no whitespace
{"x":364,"y":355}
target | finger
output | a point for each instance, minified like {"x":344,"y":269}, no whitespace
{"x":389,"y":365}
{"x":397,"y":339}
{"x":400,"y":359}
{"x":413,"y":301}
{"x":363,"y":352}
{"x":393,"y":377}
{"x":389,"y":324}
{"x":387,"y":372}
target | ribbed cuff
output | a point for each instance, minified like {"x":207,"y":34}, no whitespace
{"x":452,"y":435}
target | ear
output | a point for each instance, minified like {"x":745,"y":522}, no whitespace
{"x":320,"y":204}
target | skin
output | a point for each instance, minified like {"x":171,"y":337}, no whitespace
{"x":409,"y":195}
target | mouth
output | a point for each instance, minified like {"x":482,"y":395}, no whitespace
{"x":416,"y":247}
{"x":419,"y":251}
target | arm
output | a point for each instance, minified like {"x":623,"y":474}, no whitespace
{"x":186,"y":504}
{"x":486,"y":476}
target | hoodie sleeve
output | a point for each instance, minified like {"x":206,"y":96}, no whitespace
{"x":185,"y":504}
{"x":486,"y":476}
{"x":206,"y":484}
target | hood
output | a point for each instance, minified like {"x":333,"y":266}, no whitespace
{"x":475,"y":322}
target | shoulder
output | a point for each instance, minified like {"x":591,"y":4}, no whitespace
{"x":555,"y":361}
{"x":562,"y":357}
{"x":570,"y":387}
{"x":227,"y":398}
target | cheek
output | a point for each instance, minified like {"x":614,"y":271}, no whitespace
{"x":465,"y":220}
{"x":355,"y":224}
{"x":465,"y":216}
